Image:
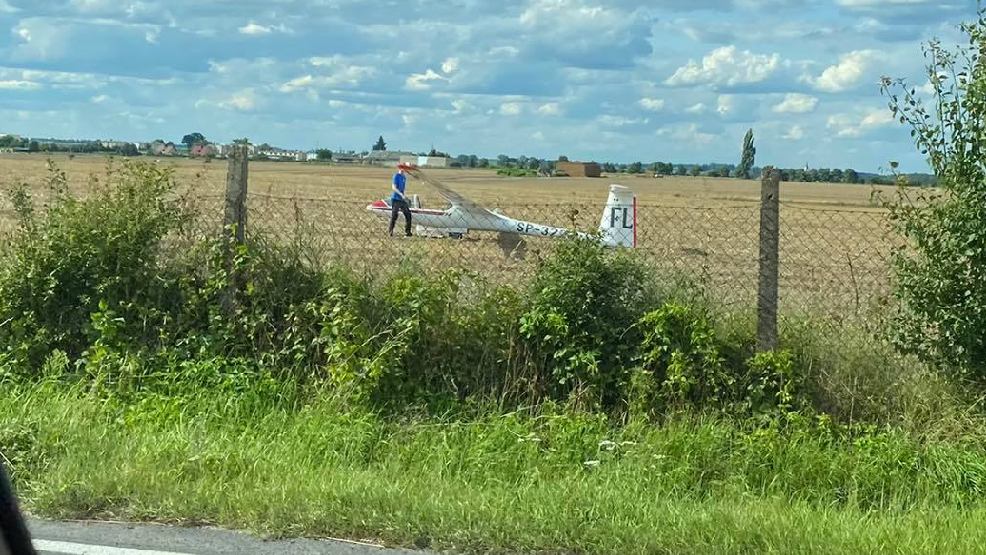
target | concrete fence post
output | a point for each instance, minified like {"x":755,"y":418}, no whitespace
{"x":767,"y":296}
{"x":235,"y":219}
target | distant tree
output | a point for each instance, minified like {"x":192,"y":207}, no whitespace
{"x":503,"y":161}
{"x":473,"y":161}
{"x":608,"y":167}
{"x":748,"y":156}
{"x":824,"y":175}
{"x":483,"y":163}
{"x":193,"y":139}
{"x":33,"y":146}
{"x":243,"y":141}
{"x":680,"y":170}
{"x":128,"y":149}
{"x":265,"y":146}
{"x":695,"y":171}
{"x":850,"y":176}
{"x":380,"y":145}
{"x":636,"y":167}
{"x":323,"y":154}
{"x":563,"y":158}
{"x":533,"y":163}
{"x":836,"y":176}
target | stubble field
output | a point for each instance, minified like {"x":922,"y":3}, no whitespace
{"x":834,"y":238}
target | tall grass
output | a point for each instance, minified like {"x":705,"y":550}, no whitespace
{"x":546,"y":479}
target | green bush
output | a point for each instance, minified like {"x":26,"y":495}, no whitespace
{"x":941,"y":272}
{"x":580,"y":320}
{"x":679,"y":348}
{"x":73,"y":258}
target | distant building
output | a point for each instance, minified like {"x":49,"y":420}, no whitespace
{"x":161,"y":148}
{"x":348,"y":157}
{"x":203,"y":150}
{"x":385,"y":157}
{"x":579,"y":169}
{"x":283,"y":155}
{"x":427,"y":161}
{"x":112,"y":145}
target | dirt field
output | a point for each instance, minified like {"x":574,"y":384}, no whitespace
{"x":834,"y":240}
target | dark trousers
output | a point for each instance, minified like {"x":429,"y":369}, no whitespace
{"x":400,"y":205}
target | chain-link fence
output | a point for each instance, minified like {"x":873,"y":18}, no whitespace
{"x":832,"y":261}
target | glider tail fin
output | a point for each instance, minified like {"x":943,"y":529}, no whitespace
{"x":618,"y":225}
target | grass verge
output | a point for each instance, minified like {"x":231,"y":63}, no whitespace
{"x":276,"y":463}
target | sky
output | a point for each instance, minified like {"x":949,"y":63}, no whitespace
{"x":620,"y":80}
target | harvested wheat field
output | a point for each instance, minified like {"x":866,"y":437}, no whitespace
{"x":835,"y":242}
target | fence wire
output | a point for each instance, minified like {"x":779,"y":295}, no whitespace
{"x":833,"y":262}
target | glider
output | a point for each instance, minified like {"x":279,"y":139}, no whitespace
{"x":617,"y":227}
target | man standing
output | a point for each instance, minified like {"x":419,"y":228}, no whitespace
{"x":398,"y":202}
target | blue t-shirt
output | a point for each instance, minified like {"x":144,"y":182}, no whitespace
{"x":400,"y":181}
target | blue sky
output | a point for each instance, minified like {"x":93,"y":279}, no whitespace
{"x":621,"y":80}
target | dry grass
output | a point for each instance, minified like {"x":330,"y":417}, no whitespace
{"x":835,"y":242}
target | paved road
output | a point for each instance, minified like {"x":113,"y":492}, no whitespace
{"x":90,"y":538}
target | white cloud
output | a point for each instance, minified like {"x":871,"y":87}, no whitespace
{"x":12,"y":85}
{"x":255,"y":29}
{"x":852,"y":126}
{"x":93,"y":6}
{"x":504,"y":51}
{"x":652,"y":104}
{"x":5,"y":7}
{"x":423,"y":81}
{"x":302,"y":82}
{"x":726,"y":104}
{"x":549,"y":109}
{"x":726,"y":66}
{"x":619,"y":121}
{"x":850,"y":70}
{"x":696,"y":108}
{"x":332,"y":72}
{"x":450,"y":65}
{"x":99,"y":99}
{"x":537,"y":136}
{"x":796,"y":103}
{"x":690,"y":134}
{"x":460,"y":106}
{"x":796,"y":133}
{"x":511,"y":108}
{"x":243,"y":101}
